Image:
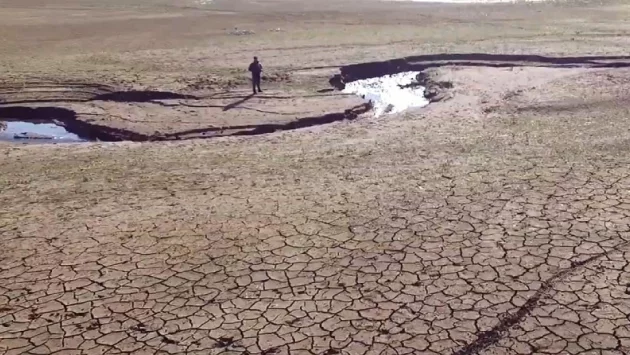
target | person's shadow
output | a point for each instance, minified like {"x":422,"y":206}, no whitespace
{"x":236,"y":103}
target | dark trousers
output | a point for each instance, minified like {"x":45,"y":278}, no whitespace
{"x":256,"y":82}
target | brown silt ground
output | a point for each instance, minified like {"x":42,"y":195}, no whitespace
{"x":208,"y":221}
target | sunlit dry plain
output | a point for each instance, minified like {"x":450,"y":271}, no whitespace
{"x":493,"y":221}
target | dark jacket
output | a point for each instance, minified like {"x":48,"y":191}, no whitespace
{"x":255,"y":68}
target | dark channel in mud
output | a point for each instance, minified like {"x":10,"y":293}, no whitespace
{"x":84,"y":131}
{"x":63,"y":123}
{"x":353,"y":72}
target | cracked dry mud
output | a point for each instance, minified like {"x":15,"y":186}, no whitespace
{"x":496,"y":222}
{"x":526,"y":260}
{"x":326,"y":251}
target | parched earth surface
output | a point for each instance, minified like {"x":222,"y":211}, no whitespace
{"x":496,"y":221}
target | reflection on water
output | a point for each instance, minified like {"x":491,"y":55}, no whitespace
{"x":390,"y":93}
{"x":29,"y":132}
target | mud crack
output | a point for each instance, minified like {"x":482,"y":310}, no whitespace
{"x":492,"y":336}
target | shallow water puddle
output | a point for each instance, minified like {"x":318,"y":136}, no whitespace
{"x":32,"y":132}
{"x":391,"y":93}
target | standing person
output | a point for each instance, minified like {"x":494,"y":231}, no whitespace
{"x":256,"y":69}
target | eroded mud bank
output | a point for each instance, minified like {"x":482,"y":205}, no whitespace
{"x":36,"y":105}
{"x":86,"y":131}
{"x":437,"y":90}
